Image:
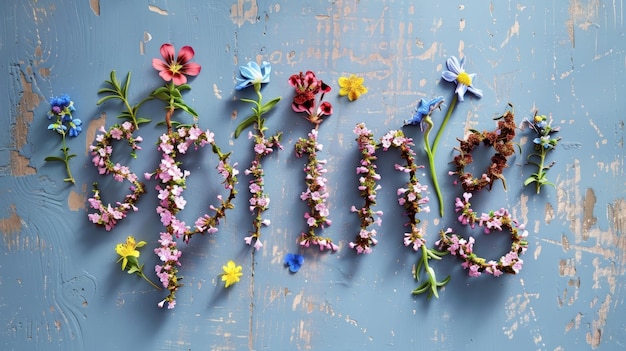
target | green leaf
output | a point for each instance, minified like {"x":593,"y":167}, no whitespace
{"x":54,"y":158}
{"x":529,"y":180}
{"x":184,"y":87}
{"x":243,"y":125}
{"x":108,"y":97}
{"x":270,"y":104}
{"x":141,"y":120}
{"x":249,"y":100}
{"x":126,"y":85}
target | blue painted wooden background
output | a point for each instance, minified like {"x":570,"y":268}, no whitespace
{"x":60,"y":288}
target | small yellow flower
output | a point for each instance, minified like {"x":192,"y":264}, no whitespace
{"x":352,"y":86}
{"x":128,"y":249}
{"x":231,"y":274}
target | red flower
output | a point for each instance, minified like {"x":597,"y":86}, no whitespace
{"x":307,"y":88}
{"x":177,"y":69}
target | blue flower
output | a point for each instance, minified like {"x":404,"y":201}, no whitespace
{"x":254,"y":74}
{"x":57,"y":127}
{"x":294,"y":261}
{"x":463,"y":80}
{"x":423,"y":109}
{"x":75,"y":127}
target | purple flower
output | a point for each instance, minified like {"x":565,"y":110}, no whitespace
{"x":456,"y":73}
{"x":294,"y":261}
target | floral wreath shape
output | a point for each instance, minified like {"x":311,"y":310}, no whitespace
{"x":108,"y":215}
{"x":501,"y":220}
{"x":501,"y":140}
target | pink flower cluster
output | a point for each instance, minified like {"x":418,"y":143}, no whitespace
{"x":367,"y":187}
{"x":412,"y":197}
{"x":108,"y":215}
{"x":259,"y":200}
{"x":499,"y":221}
{"x":173,"y":179}
{"x":316,"y":193}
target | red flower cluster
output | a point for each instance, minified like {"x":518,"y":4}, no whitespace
{"x":307,"y":88}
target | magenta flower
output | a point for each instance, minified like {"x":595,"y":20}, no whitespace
{"x":178,"y":69}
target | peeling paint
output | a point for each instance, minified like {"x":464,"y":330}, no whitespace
{"x":158,"y":10}
{"x":239,"y":14}
{"x":25,"y":107}
{"x":95,"y":6}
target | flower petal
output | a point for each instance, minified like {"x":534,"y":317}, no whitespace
{"x":185,"y":55}
{"x":191,"y":69}
{"x":453,"y":64}
{"x":449,"y":76}
{"x":477,"y":92}
{"x":167,"y":51}
{"x":179,"y":79}
{"x":159,"y":65}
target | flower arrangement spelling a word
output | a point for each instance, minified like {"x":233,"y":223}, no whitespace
{"x":464,"y":83}
{"x":254,"y":75}
{"x":61,"y":109}
{"x":129,"y":256}
{"x":413,"y":200}
{"x":543,"y":143}
{"x":308,"y":99}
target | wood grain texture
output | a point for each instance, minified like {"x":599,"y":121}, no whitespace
{"x":60,"y":288}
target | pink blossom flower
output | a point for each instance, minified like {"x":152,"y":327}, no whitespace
{"x":178,"y":69}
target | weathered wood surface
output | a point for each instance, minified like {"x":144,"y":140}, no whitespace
{"x":60,"y":288}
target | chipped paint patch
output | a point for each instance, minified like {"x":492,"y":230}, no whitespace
{"x":94,"y":126}
{"x":158,"y":10}
{"x":95,"y":6}
{"x":25,"y":107}
{"x":239,"y":14}
{"x":76,"y":201}
{"x":519,"y":312}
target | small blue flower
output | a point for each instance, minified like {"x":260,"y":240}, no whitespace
{"x":254,"y":74}
{"x":423,"y":108}
{"x":57,"y":127}
{"x":463,"y":80}
{"x":75,"y":127}
{"x":294,"y":261}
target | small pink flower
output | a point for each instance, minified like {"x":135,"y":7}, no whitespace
{"x":178,"y":69}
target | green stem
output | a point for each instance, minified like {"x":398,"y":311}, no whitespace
{"x":70,"y":178}
{"x":540,"y":172}
{"x":431,"y":163}
{"x":443,"y":124}
{"x":148,"y":280}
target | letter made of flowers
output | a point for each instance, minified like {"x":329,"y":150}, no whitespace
{"x":412,"y":198}
{"x":255,"y":75}
{"x":308,"y":99}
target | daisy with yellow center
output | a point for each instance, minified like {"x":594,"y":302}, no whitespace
{"x":352,"y":86}
{"x":232,"y":273}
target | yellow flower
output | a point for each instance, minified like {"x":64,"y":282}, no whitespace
{"x":231,"y":273}
{"x":352,"y":86}
{"x":128,"y":249}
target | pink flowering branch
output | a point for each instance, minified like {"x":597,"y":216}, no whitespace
{"x":367,"y":186}
{"x":172,"y":184}
{"x":413,"y":201}
{"x":316,"y":193}
{"x":498,"y":221}
{"x":101,"y":152}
